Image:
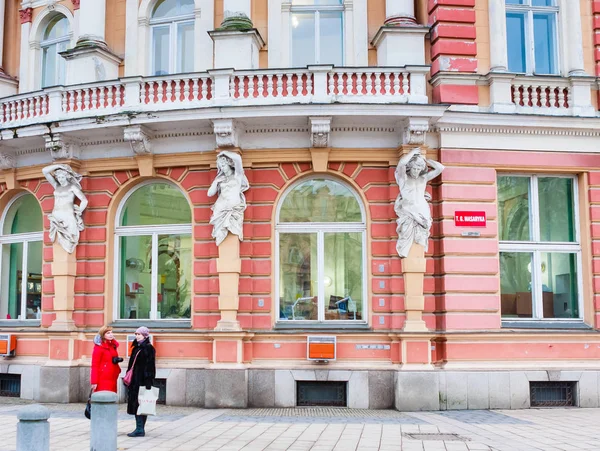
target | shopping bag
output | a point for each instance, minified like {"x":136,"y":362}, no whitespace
{"x":147,"y":401}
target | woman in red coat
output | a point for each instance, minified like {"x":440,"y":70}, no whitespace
{"x":105,"y":361}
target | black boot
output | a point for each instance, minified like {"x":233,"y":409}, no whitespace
{"x":144,"y":418}
{"x":139,"y":427}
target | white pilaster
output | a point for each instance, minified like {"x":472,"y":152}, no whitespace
{"x":2,"y":5}
{"x":277,"y":41}
{"x":131,"y":39}
{"x":230,"y":7}
{"x":498,"y":48}
{"x":574,"y":37}
{"x":204,"y":47}
{"x":92,"y":17}
{"x":398,"y":12}
{"x":24,"y":75}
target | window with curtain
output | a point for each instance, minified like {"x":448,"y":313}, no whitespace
{"x":317,"y":32}
{"x":21,"y":262}
{"x":321,"y":253}
{"x":54,"y":40}
{"x":154,"y":251}
{"x":540,"y":249}
{"x":172,"y":30}
{"x":532,"y":36}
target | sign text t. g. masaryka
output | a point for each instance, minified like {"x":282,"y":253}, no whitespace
{"x":470,"y":219}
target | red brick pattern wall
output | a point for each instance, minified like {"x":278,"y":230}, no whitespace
{"x":594,"y":199}
{"x":596,"y":27}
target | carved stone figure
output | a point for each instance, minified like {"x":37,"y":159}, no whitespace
{"x":65,"y":220}
{"x":230,"y":185}
{"x":411,"y":206}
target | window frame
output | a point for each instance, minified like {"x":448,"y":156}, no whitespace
{"x":25,"y":239}
{"x":317,"y":10}
{"x":320,"y":228}
{"x":60,"y":68}
{"x":146,"y":230}
{"x":536,"y":247}
{"x":529,"y":10}
{"x":173,"y":22}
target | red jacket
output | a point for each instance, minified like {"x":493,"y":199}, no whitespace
{"x":104,"y":372}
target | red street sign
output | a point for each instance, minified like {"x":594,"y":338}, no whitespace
{"x":469,"y":219}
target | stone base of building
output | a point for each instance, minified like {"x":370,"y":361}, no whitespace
{"x":366,"y":389}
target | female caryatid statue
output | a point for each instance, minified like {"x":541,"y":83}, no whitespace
{"x":65,"y":220}
{"x":411,"y":206}
{"x":229,"y":185}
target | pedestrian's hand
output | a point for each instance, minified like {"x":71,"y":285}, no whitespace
{"x":148,"y":386}
{"x":94,"y":386}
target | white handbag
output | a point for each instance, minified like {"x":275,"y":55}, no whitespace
{"x":147,"y":401}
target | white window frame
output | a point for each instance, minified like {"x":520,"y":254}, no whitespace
{"x":147,"y":230}
{"x":536,"y":247}
{"x":61,"y":64}
{"x":317,"y":10}
{"x":25,"y":239}
{"x":529,"y":11}
{"x":173,"y":22}
{"x":320,"y":228}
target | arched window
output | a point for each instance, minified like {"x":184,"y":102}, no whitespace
{"x":154,"y":248}
{"x":21,"y":262}
{"x":54,"y":40}
{"x":321,"y":253}
{"x":172,"y":24}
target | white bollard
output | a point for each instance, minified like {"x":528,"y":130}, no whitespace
{"x":33,"y":429}
{"x":103,"y":436}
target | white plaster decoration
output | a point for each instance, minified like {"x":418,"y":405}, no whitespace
{"x":62,"y":147}
{"x":412,"y":204}
{"x":139,"y":138}
{"x":415,"y":130}
{"x":7,"y":161}
{"x":92,"y":16}
{"x":66,"y":220}
{"x":226,"y":132}
{"x":400,"y":12}
{"x":320,"y":129}
{"x":498,"y":44}
{"x":229,"y":185}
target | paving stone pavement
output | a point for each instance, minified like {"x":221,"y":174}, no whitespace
{"x":326,"y":429}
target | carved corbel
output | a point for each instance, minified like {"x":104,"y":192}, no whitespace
{"x":139,"y":137}
{"x":7,"y":161}
{"x":320,"y":129}
{"x":415,"y":131}
{"x":226,"y":133}
{"x":62,"y":147}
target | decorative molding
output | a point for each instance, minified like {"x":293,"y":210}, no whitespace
{"x":516,"y":131}
{"x":226,"y":132}
{"x":180,"y":134}
{"x":26,"y":15}
{"x":415,"y":131}
{"x":139,"y":137}
{"x":320,"y":129}
{"x":364,"y":129}
{"x":7,"y":161}
{"x":62,"y":147}
{"x":20,"y":152}
{"x":277,"y":130}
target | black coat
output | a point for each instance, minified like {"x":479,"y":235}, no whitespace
{"x":144,"y":372}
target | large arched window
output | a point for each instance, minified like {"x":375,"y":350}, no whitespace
{"x":54,"y":40}
{"x":154,"y":249}
{"x":21,"y":262}
{"x":172,"y":30}
{"x":321,"y":253}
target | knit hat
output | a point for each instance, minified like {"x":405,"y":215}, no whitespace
{"x":143,"y":330}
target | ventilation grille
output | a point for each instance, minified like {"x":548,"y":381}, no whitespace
{"x":10,"y":385}
{"x":316,"y":393}
{"x":552,"y":394}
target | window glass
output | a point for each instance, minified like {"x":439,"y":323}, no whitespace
{"x":156,"y":204}
{"x":136,"y":277}
{"x":174,"y":282}
{"x":15,"y":270}
{"x":57,"y":28}
{"x":559,"y":285}
{"x":515,"y":2}
{"x":49,"y":56}
{"x":515,"y":284}
{"x":343,"y":276}
{"x":303,"y":39}
{"x":542,"y":2}
{"x":331,"y":38}
{"x":317,"y":2}
{"x":557,"y":215}
{"x":160,"y":36}
{"x":185,"y":46}
{"x":543,"y":32}
{"x":33,"y":307}
{"x":23,"y":216}
{"x":165,"y":8}
{"x":298,"y":276}
{"x":320,"y":200}
{"x":515,"y":34}
{"x":513,"y":208}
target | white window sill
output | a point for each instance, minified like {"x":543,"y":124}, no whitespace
{"x":20,"y":323}
{"x":334,"y":326}
{"x":545,"y":324}
{"x":154,"y":324}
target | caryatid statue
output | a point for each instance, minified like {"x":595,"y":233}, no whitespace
{"x":411,"y":206}
{"x":230,"y":185}
{"x":65,"y":220}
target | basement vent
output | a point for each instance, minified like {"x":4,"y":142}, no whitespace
{"x":317,"y":393}
{"x":10,"y":385}
{"x":552,"y":394}
{"x":162,"y":390}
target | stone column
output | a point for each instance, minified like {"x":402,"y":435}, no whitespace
{"x":92,"y":22}
{"x":498,"y":49}
{"x":64,"y":270}
{"x":103,"y":436}
{"x":33,"y":429}
{"x":229,"y":266}
{"x":413,"y":271}
{"x":400,"y":12}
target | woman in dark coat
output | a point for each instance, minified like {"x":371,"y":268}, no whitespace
{"x":144,"y":372}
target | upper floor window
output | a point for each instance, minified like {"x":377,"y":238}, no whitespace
{"x":154,"y":245}
{"x":172,"y":25}
{"x":321,"y":253}
{"x":532,"y":36}
{"x":54,"y":40}
{"x":540,"y":249}
{"x":317,"y":32}
{"x":21,"y":262}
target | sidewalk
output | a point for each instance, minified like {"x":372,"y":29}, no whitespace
{"x":326,"y":429}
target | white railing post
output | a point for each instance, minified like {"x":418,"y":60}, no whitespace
{"x":501,"y":98}
{"x":418,"y":84}
{"x":220,"y":88}
{"x":320,"y":83}
{"x":133,"y":88}
{"x":581,"y":95}
{"x":55,"y":96}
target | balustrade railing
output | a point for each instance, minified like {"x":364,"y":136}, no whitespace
{"x":541,"y":95}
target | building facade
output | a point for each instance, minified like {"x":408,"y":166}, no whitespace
{"x":314,"y":102}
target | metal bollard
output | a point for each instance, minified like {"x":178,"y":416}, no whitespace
{"x":33,"y":429}
{"x":104,"y":421}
